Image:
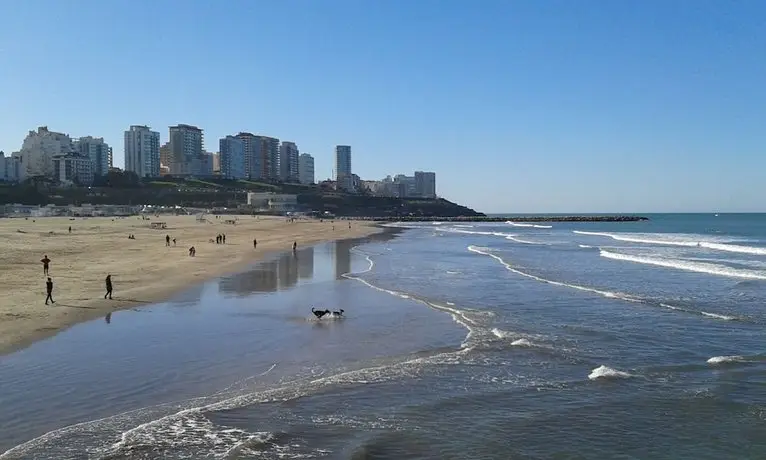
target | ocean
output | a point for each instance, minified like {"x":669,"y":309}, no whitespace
{"x":640,"y":340}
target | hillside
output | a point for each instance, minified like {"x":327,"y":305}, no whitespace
{"x":123,"y":189}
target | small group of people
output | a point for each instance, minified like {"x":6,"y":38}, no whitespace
{"x":49,"y":282}
{"x":220,"y":239}
{"x":167,"y":240}
{"x":131,"y":237}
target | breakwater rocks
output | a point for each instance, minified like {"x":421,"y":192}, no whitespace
{"x":510,"y":219}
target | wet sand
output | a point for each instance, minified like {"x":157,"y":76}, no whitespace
{"x":144,"y":270}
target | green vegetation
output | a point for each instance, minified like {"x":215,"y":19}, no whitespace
{"x":126,"y":188}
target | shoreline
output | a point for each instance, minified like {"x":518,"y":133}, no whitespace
{"x":145,"y":271}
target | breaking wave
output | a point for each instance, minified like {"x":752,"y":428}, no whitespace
{"x":678,"y":240}
{"x":680,"y":264}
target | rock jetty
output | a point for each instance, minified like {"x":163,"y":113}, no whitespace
{"x":510,"y":219}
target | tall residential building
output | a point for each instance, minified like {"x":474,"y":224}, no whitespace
{"x":343,"y":178}
{"x":288,"y":162}
{"x":186,"y":151}
{"x":97,"y":150}
{"x":232,"y":151}
{"x":404,"y":186}
{"x":306,"y":169}
{"x":165,"y":155}
{"x":142,"y":151}
{"x":425,"y":184}
{"x":73,"y":168}
{"x":270,"y":149}
{"x":217,"y":163}
{"x":38,"y":149}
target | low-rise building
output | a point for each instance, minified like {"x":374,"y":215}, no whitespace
{"x":279,"y":202}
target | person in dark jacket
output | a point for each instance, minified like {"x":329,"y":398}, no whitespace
{"x":108,"y":286}
{"x":49,"y":290}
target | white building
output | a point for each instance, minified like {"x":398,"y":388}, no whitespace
{"x":272,"y":201}
{"x":343,"y":178}
{"x":142,"y":151}
{"x":73,"y":168}
{"x":186,"y":151}
{"x":306,"y":169}
{"x":97,"y":150}
{"x":425,"y":184}
{"x":288,"y":162}
{"x":404,"y":186}
{"x":38,"y":149}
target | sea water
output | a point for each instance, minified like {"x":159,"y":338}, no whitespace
{"x":496,"y":340}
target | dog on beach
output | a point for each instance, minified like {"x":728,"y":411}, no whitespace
{"x":337,"y":314}
{"x":319,"y":313}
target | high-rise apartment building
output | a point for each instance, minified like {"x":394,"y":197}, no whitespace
{"x":343,"y":178}
{"x":306,"y":169}
{"x":261,"y":156}
{"x":425,"y":184}
{"x":38,"y":149}
{"x":165,"y":155}
{"x":186,"y":151}
{"x":288,"y":162}
{"x":97,"y":150}
{"x":142,"y":151}
{"x":232,"y":151}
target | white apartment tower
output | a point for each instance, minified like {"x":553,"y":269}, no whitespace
{"x":288,"y":162}
{"x":306,"y":169}
{"x":142,"y":151}
{"x":38,"y":149}
{"x":97,"y":150}
{"x":343,"y":177}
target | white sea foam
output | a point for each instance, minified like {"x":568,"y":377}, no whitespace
{"x":674,"y":239}
{"x":609,"y":294}
{"x":604,"y":372}
{"x":473,"y":232}
{"x":726,"y":359}
{"x":519,"y":240}
{"x":523,"y":224}
{"x":681,"y":264}
{"x":703,"y":313}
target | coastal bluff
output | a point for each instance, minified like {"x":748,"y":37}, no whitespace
{"x":573,"y":218}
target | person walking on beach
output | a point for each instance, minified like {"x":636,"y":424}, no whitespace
{"x":108,"y":282}
{"x":295,"y":246}
{"x":49,"y":290}
{"x":46,"y":262}
{"x":255,"y":243}
{"x":70,"y":229}
{"x":167,"y":240}
{"x":223,"y":238}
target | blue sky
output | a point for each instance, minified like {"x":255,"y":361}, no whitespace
{"x":518,"y":106}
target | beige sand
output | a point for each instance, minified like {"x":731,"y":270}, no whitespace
{"x":143,"y":270}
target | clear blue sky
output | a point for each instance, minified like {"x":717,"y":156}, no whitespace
{"x":519,"y":106}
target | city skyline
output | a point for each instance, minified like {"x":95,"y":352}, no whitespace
{"x":566,"y":107}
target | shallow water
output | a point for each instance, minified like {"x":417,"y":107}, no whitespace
{"x":633,"y":340}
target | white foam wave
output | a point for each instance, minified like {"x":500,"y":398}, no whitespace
{"x":703,"y":313}
{"x":609,"y":294}
{"x":519,"y":240}
{"x":678,"y":240}
{"x":726,"y":359}
{"x":604,"y":372}
{"x":464,"y":226}
{"x":472,"y":232}
{"x":681,"y":264}
{"x":523,"y":224}
{"x":522,"y":343}
{"x":717,"y":316}
{"x":585,"y":246}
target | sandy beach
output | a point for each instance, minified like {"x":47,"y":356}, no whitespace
{"x":144,"y":270}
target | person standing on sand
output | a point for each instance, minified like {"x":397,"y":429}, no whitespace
{"x":70,"y":229}
{"x":108,"y":282}
{"x":46,"y":262}
{"x":295,"y":246}
{"x":255,"y":243}
{"x":223,"y":238}
{"x":49,"y":290}
{"x":167,"y":240}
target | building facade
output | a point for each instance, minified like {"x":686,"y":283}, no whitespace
{"x":38,"y":149}
{"x":165,"y":156}
{"x":343,"y":177}
{"x":142,"y":151}
{"x":186,"y":151}
{"x":232,"y":151}
{"x":306,"y":169}
{"x":288,"y":162}
{"x":425,"y":184}
{"x":73,"y":168}
{"x":97,"y":150}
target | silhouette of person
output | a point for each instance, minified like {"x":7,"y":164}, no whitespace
{"x":49,"y":290}
{"x":167,"y":240}
{"x":255,"y":243}
{"x":70,"y":229}
{"x":174,"y":241}
{"x":108,"y":318}
{"x":223,"y":238}
{"x":46,"y":262}
{"x":295,"y":246}
{"x":108,"y":282}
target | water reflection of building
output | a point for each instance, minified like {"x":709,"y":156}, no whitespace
{"x":271,"y":275}
{"x":342,"y":258}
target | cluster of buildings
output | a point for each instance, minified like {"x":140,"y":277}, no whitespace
{"x":240,"y":156}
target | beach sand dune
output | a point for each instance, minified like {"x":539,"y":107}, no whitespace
{"x":144,"y":269}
